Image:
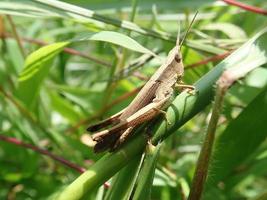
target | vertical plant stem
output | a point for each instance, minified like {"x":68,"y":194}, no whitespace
{"x":147,"y":172}
{"x":206,"y":151}
{"x":16,"y":35}
{"x":120,"y":62}
{"x":2,"y":27}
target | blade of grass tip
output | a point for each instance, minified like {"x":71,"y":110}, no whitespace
{"x":146,"y":175}
{"x":123,"y":183}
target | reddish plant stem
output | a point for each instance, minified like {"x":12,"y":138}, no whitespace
{"x":66,"y":50}
{"x":42,"y":151}
{"x":211,"y":59}
{"x":63,"y":161}
{"x":246,"y":7}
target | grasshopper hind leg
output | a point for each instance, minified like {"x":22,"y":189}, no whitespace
{"x":106,"y":143}
{"x":114,"y":119}
{"x":122,"y":138}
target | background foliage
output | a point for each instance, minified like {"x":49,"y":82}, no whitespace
{"x":94,"y":66}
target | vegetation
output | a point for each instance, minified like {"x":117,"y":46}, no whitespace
{"x":67,"y":64}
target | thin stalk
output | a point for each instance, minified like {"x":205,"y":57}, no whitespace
{"x":111,"y":86}
{"x":134,"y":8}
{"x":16,"y":35}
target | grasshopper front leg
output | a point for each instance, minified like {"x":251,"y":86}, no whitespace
{"x":184,"y":86}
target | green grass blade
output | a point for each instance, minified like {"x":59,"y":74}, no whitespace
{"x":146,"y":175}
{"x":124,"y":181}
{"x":35,"y":70}
{"x":38,"y":63}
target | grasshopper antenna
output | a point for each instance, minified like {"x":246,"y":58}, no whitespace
{"x":178,"y":33}
{"x":187,"y":31}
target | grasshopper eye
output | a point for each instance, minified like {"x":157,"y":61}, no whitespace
{"x":177,"y":58}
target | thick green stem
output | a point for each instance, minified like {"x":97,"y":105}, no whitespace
{"x":206,"y":151}
{"x":102,"y":170}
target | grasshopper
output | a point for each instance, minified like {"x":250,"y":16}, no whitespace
{"x":148,"y":103}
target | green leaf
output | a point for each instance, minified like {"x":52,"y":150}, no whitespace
{"x":116,"y":38}
{"x":38,"y":63}
{"x":231,"y":30}
{"x":36,"y":68}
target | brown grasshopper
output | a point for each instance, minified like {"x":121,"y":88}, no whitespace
{"x":149,"y":102}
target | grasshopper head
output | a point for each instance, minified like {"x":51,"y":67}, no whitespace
{"x":175,"y":62}
{"x":175,"y":54}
